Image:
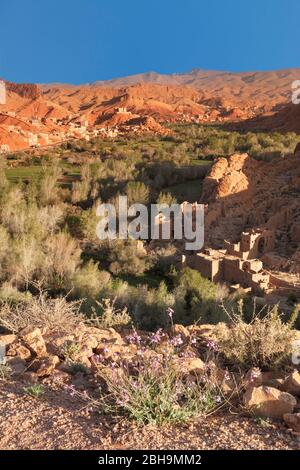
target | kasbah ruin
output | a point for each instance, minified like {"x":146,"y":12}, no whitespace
{"x":252,"y":227}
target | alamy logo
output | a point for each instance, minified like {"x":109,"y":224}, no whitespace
{"x":178,"y":222}
{"x":296,"y":92}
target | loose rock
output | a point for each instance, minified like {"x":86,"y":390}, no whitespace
{"x":269,"y":402}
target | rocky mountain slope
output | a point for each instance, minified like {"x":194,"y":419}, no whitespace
{"x":57,"y":112}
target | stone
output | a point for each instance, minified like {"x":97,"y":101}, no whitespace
{"x":107,"y":335}
{"x":292,"y":421}
{"x":55,"y":343}
{"x":188,"y":365}
{"x":59,"y":376}
{"x":292,"y":383}
{"x":116,"y":352}
{"x":34,"y":340}
{"x":18,"y":350}
{"x":17,"y":365}
{"x":204,"y":332}
{"x":7,"y":340}
{"x":30,"y":377}
{"x":47,"y":365}
{"x":273,"y":379}
{"x":269,"y":402}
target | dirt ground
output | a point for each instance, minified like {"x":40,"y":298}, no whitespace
{"x":57,"y":420}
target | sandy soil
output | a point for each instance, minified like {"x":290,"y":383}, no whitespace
{"x":58,"y":421}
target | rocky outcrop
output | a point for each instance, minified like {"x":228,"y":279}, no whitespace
{"x":25,"y":90}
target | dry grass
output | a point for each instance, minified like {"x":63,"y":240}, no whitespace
{"x":266,"y":342}
{"x":55,"y":314}
{"x":111,"y":317}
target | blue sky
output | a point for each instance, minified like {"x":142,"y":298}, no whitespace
{"x":80,"y":41}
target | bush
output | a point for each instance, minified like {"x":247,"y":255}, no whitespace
{"x":62,"y":258}
{"x":43,"y":312}
{"x":150,"y":306}
{"x":88,"y":281}
{"x":265,"y":342}
{"x":110,"y":316}
{"x":5,"y":372}
{"x":196,"y":298}
{"x":137,"y":192}
{"x":125,"y":258}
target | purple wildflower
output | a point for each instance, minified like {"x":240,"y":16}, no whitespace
{"x":170,"y":312}
{"x":226,"y":376}
{"x":134,"y":338}
{"x":176,"y":341}
{"x":254,"y":374}
{"x":212,"y":345}
{"x":157,"y":337}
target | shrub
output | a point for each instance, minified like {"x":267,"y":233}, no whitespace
{"x":110,"y":316}
{"x":137,"y":192}
{"x":125,"y":258}
{"x":196,"y":298}
{"x":70,"y":350}
{"x":48,"y":188}
{"x":166,"y":198}
{"x":88,"y":280}
{"x":41,"y":311}
{"x":9,"y":293}
{"x":62,"y":258}
{"x":265,"y":342}
{"x":77,"y":367}
{"x":150,"y":306}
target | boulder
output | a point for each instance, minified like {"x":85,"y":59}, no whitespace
{"x":292,"y":421}
{"x":18,"y":350}
{"x":56,"y":341}
{"x":269,"y":402}
{"x":46,"y":366}
{"x":17,"y":365}
{"x":273,"y":379}
{"x":188,"y":365}
{"x":106,"y":335}
{"x":34,"y":340}
{"x":202,"y":332}
{"x":7,"y":340}
{"x":30,"y":377}
{"x":292,"y":383}
{"x":116,"y":352}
